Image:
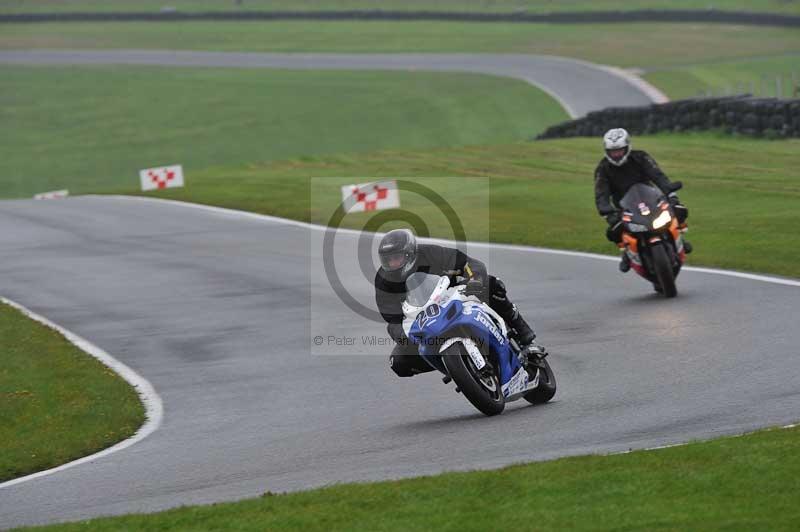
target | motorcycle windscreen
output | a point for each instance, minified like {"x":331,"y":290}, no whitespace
{"x":419,"y":287}
{"x":640,"y":193}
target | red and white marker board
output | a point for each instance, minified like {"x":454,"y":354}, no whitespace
{"x":53,"y":194}
{"x":161,"y":177}
{"x":370,"y":196}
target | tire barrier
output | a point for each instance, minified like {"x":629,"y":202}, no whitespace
{"x":738,"y":115}
{"x":695,"y":16}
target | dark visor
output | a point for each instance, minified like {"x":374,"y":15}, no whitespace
{"x":393,"y":261}
{"x":617,"y":153}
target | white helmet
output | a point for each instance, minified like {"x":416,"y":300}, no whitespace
{"x":617,"y":142}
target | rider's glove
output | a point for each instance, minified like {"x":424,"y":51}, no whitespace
{"x":681,"y":212}
{"x":474,"y":288}
{"x":614,"y":218}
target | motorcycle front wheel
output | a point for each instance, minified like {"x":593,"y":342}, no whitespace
{"x":663,"y":269}
{"x":547,"y":386}
{"x":482,"y":390}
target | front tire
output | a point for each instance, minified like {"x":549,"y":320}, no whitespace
{"x":547,"y":385}
{"x":663,"y":269}
{"x":484,"y":392}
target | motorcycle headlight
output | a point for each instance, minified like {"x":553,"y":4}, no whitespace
{"x":637,"y":228}
{"x":663,"y":219}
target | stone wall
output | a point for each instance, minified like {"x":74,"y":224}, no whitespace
{"x":744,"y":115}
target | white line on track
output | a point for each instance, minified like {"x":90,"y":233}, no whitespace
{"x":633,"y":79}
{"x":154,"y":408}
{"x":685,"y":443}
{"x":527,"y":249}
{"x":650,"y":90}
{"x":571,"y":112}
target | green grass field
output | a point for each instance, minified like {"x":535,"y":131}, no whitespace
{"x":684,"y":60}
{"x":742,"y":194}
{"x":533,"y":6}
{"x":731,"y":484}
{"x":57,"y":403}
{"x":262,"y":135}
{"x":646,"y":45}
{"x":91,"y":128}
{"x":770,"y":77}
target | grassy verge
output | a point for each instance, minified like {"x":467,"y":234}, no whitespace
{"x":262,"y":135}
{"x":109,"y":122}
{"x":742,"y":194}
{"x":57,"y":403}
{"x":743,"y":483}
{"x":770,"y":77}
{"x":533,"y":6}
{"x":641,"y":44}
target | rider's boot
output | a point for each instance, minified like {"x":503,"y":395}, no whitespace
{"x":625,"y":262}
{"x":533,"y":357}
{"x":525,"y":334}
{"x":507,"y":310}
{"x":658,"y":288}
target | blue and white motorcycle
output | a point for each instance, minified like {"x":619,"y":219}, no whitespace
{"x":469,"y":342}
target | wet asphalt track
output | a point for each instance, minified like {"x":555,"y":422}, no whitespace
{"x":213,"y":309}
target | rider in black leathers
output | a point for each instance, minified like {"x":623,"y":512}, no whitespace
{"x":400,"y":257}
{"x":620,"y":169}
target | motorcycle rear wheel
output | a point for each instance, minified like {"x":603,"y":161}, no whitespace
{"x":484,"y":392}
{"x":663,"y":269}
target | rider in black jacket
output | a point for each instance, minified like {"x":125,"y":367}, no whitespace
{"x":401,"y":256}
{"x":620,"y":169}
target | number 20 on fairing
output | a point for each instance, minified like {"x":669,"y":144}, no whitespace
{"x":427,"y":315}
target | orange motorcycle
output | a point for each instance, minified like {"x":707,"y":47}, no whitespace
{"x":652,"y":236}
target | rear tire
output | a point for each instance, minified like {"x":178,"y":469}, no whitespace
{"x":663,"y":268}
{"x":485,"y":393}
{"x":547,"y":385}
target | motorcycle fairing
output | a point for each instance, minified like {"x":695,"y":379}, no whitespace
{"x":641,"y":205}
{"x":467,"y":319}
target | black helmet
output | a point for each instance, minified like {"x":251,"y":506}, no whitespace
{"x":398,"y":254}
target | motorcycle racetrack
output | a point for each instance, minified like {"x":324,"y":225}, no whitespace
{"x":578,"y":86}
{"x":212,"y":307}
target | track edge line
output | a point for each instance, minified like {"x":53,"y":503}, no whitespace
{"x":154,"y":407}
{"x":513,"y":247}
